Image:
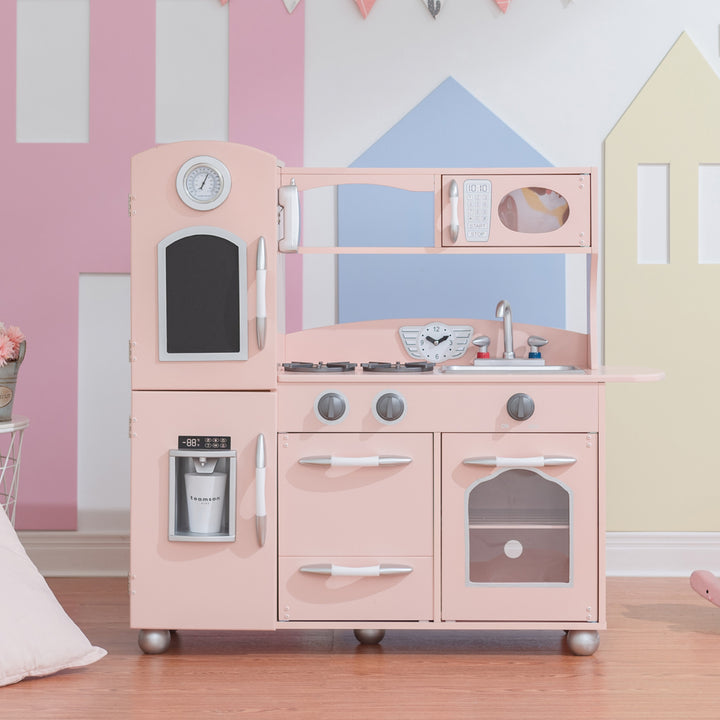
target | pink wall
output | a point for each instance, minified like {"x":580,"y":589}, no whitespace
{"x":267,"y":99}
{"x":65,"y":209}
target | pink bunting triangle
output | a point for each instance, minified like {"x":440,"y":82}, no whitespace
{"x":503,"y":5}
{"x":365,"y":6}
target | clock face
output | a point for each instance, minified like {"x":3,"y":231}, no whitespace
{"x":203,"y":183}
{"x":436,"y":342}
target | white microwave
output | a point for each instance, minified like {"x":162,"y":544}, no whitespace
{"x":520,"y":208}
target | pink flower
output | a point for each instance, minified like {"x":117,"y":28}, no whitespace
{"x":7,"y":350}
{"x":10,"y":339}
{"x":16,"y":337}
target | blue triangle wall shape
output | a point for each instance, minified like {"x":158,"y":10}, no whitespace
{"x":449,"y":128}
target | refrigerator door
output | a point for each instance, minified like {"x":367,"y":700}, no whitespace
{"x":217,"y":578}
{"x":203,"y":296}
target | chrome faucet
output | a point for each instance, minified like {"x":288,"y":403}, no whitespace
{"x":503,"y":311}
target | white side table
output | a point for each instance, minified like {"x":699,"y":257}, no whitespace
{"x":11,"y":440}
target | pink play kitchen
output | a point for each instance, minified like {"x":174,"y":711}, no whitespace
{"x":432,"y":473}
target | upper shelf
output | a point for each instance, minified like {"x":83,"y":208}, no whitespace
{"x":420,"y":211}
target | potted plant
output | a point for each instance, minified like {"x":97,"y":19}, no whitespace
{"x":12,"y":352}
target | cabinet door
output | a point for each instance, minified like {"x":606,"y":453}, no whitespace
{"x":519,"y":527}
{"x":202,"y":585}
{"x":352,"y":507}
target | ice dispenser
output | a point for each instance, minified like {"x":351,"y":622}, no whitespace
{"x":202,"y":495}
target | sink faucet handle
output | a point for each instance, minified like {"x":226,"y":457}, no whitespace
{"x":482,"y":343}
{"x":535,"y":342}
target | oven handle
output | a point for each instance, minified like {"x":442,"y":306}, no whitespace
{"x":369,"y":461}
{"x":260,"y":509}
{"x":454,"y":221}
{"x":540,"y":461}
{"x":260,"y":283}
{"x":367,"y":571}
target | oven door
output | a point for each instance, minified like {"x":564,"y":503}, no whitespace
{"x":539,"y":210}
{"x":519,"y":527}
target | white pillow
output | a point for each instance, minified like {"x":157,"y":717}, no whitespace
{"x":36,"y":636}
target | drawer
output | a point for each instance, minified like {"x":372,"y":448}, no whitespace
{"x":355,"y":592}
{"x":349,"y":508}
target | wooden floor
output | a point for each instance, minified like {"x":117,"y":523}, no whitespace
{"x":660,"y":658}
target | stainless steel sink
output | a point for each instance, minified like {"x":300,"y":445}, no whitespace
{"x":508,"y":368}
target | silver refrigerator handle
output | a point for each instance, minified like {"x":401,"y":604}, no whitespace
{"x":260,"y":284}
{"x":260,"y":510}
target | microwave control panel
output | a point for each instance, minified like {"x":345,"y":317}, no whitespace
{"x":477,"y":199}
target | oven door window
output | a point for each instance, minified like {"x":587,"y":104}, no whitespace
{"x":202,"y":295}
{"x":518,"y":529}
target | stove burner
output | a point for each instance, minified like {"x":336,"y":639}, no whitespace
{"x":386,"y":367}
{"x":331,"y":367}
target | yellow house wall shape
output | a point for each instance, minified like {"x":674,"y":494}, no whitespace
{"x":662,"y":306}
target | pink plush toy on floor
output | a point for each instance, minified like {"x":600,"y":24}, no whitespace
{"x":705,"y":584}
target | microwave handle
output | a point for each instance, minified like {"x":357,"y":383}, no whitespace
{"x":260,"y":509}
{"x":261,"y":285}
{"x":454,"y":220}
{"x":370,"y":461}
{"x":540,"y":461}
{"x":366,"y":571}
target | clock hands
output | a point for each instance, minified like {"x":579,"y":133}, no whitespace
{"x":438,"y":340}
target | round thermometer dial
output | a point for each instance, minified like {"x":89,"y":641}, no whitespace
{"x":437,"y":342}
{"x":203,"y":183}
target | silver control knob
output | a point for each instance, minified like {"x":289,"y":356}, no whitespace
{"x":520,"y":406}
{"x":331,"y":407}
{"x":390,"y":407}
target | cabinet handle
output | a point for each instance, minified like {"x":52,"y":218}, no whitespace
{"x":540,"y":461}
{"x":367,"y":571}
{"x":370,"y":461}
{"x":260,"y":283}
{"x":454,"y":221}
{"x":260,"y":510}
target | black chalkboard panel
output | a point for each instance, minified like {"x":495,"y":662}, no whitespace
{"x":202,"y":285}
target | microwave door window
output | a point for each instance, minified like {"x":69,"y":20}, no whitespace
{"x":204,"y":298}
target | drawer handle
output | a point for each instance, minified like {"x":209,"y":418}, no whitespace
{"x":367,"y":571}
{"x":540,"y":461}
{"x":370,"y":461}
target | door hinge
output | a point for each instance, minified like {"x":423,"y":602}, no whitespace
{"x":131,"y":210}
{"x":131,"y":428}
{"x":131,"y":351}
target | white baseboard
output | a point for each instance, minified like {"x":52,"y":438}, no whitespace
{"x":78,"y":554}
{"x":661,"y":554}
{"x":632,"y":554}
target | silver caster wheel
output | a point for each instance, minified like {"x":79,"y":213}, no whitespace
{"x":367,"y":636}
{"x":154,"y":642}
{"x":583,"y":642}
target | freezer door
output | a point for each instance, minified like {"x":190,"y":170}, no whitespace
{"x":223,"y":578}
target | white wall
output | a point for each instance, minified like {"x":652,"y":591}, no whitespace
{"x":559,"y":73}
